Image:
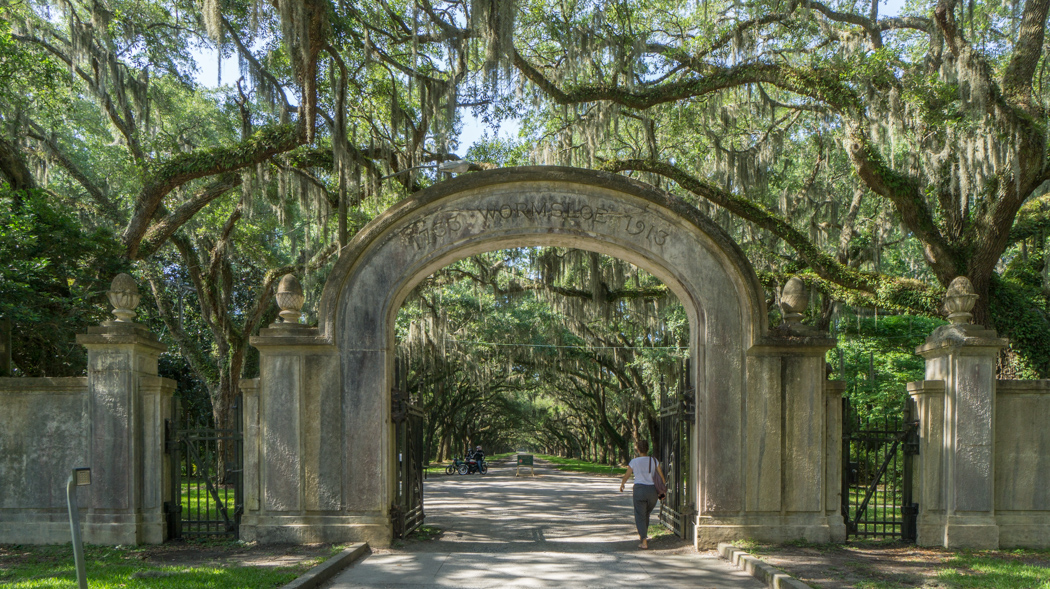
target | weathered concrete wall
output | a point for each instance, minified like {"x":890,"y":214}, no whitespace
{"x":44,"y":433}
{"x":112,"y":422}
{"x":1022,"y":463}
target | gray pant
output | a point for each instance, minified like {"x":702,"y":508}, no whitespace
{"x":644,"y":502}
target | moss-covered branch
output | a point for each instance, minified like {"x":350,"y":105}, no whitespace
{"x":165,"y":177}
{"x":894,"y":292}
{"x":824,"y":85}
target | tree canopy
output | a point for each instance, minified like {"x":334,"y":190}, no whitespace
{"x":876,"y":155}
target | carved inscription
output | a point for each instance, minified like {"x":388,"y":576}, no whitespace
{"x":439,"y":227}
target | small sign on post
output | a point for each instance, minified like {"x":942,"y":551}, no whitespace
{"x":80,"y":477}
{"x":525,"y":460}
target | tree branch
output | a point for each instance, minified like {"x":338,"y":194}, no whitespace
{"x":183,"y":168}
{"x":824,"y":265}
{"x":822,"y":85}
{"x":1017,"y":80}
{"x":161,"y":231}
{"x":105,"y":205}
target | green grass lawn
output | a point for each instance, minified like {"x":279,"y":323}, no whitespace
{"x":997,"y":570}
{"x":52,"y":567}
{"x":198,"y":503}
{"x":575,"y":465}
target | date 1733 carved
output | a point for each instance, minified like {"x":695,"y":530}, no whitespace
{"x":342,"y":370}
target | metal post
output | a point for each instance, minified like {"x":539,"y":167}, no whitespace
{"x":79,"y":477}
{"x":5,"y":346}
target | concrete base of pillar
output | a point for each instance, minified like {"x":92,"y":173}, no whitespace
{"x":52,"y":527}
{"x":1024,"y":530}
{"x":313,"y":529}
{"x":976,"y":536}
{"x":837,"y":528}
{"x":955,"y":532}
{"x":123,"y":528}
{"x":775,"y":528}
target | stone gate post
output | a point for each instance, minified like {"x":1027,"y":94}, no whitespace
{"x":956,"y":402}
{"x":794,"y":420}
{"x":293,"y":434}
{"x":127,"y":405}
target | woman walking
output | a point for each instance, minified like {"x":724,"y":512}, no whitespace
{"x":644,"y":468}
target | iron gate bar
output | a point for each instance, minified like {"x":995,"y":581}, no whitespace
{"x":406,"y":510}
{"x":202,"y":465}
{"x":190,"y":447}
{"x":891,"y":455}
{"x":676,"y":416}
{"x":882,"y":442}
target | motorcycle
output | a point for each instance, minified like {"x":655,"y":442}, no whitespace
{"x":478,"y":465}
{"x":458,"y":465}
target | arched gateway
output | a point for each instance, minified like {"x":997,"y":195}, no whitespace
{"x":319,"y":450}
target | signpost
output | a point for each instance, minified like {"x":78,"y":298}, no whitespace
{"x":80,"y":477}
{"x":525,"y":460}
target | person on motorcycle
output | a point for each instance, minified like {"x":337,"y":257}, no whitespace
{"x":479,"y":459}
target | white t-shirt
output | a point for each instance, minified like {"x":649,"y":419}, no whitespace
{"x":644,"y":468}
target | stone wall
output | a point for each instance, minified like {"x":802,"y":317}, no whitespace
{"x":44,"y":434}
{"x":1022,"y":463}
{"x":111,"y":421}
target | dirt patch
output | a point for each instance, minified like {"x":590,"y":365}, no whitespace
{"x":853,"y":565}
{"x":882,"y":565}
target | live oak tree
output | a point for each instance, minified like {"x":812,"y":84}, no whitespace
{"x":103,"y":114}
{"x":938,"y":113}
{"x":878,"y":156}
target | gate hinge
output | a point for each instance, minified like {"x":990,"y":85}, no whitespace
{"x":910,"y":510}
{"x":168,"y":437}
{"x":911,"y":439}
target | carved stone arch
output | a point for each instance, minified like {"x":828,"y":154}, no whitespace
{"x":337,"y":433}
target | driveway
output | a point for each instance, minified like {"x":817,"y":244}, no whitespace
{"x":556,"y":529}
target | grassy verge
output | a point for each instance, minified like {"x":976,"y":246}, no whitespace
{"x":108,"y":567}
{"x":575,"y":465}
{"x":1015,"y":569}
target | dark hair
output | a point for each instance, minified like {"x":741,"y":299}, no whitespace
{"x":643,"y":446}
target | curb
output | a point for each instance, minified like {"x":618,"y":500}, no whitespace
{"x":329,"y":568}
{"x":774,"y":578}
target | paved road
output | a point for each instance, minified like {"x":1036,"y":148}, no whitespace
{"x":555,"y":530}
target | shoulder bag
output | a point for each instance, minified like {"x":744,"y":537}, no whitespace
{"x":661,"y":486}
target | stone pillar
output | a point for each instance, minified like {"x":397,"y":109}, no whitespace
{"x":127,"y":406}
{"x":294,"y":480}
{"x":961,"y":512}
{"x":792,"y":490}
{"x":833,"y":477}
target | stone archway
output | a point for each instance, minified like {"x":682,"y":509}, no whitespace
{"x":318,"y":426}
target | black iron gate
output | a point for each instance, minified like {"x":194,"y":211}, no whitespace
{"x":677,"y":413}
{"x":406,"y":513}
{"x":207,"y":479}
{"x":877,"y":474}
